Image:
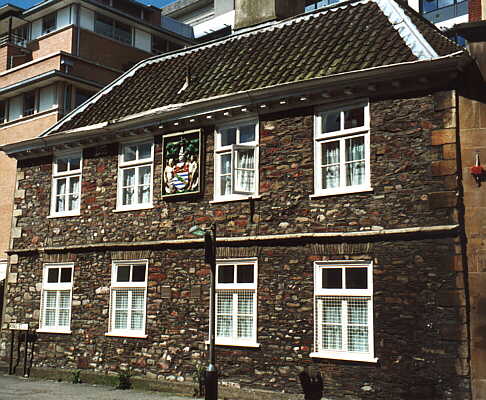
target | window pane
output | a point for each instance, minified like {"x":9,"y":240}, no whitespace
{"x":245,"y":173}
{"x":129,"y":153}
{"x":331,"y":337}
{"x":245,"y":303}
{"x":123,"y":273}
{"x":224,"y":321}
{"x":74,"y":185}
{"x":331,"y":311}
{"x":331,"y":122}
{"x":127,"y":196}
{"x":129,"y":177}
{"x":357,"y":311}
{"x":51,"y":298}
{"x":138,"y":273}
{"x":444,"y":3}
{"x":121,"y":317}
{"x":245,"y":327}
{"x":226,"y":163}
{"x":66,"y":275}
{"x":137,"y":320}
{"x":145,"y":151}
{"x":61,"y":186}
{"x":64,"y":298}
{"x":60,"y":203}
{"x":429,"y":5}
{"x":356,"y":278}
{"x":64,"y":317}
{"x":62,"y":164}
{"x":358,"y":338}
{"x":121,"y":299}
{"x":228,"y":136}
{"x":123,"y":32}
{"x":53,"y":275}
{"x":244,"y":273}
{"x":29,"y":104}
{"x":354,"y":118}
{"x":226,"y":274}
{"x":138,"y":299}
{"x":144,"y":195}
{"x":74,"y":163}
{"x":330,"y":153}
{"x":355,"y":149}
{"x":103,"y":25}
{"x":355,"y":173}
{"x":144,"y":175}
{"x":247,"y":133}
{"x":332,"y":278}
{"x":50,"y":318}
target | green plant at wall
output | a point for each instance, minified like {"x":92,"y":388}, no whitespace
{"x":76,"y":376}
{"x":198,"y":376}
{"x":124,"y":382}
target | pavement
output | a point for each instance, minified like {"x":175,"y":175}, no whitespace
{"x":16,"y":388}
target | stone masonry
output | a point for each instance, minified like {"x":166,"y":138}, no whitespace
{"x":420,"y":334}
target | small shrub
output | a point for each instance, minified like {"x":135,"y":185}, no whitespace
{"x":124,"y":380}
{"x":76,"y":377}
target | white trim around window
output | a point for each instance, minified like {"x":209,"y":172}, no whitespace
{"x":66,"y":184}
{"x":135,"y":175}
{"x":236,"y":166}
{"x":56,"y":298}
{"x":128,"y":299}
{"x":343,"y":310}
{"x":342,"y":150}
{"x":236,"y":302}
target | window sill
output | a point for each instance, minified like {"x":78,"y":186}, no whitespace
{"x":235,"y":343}
{"x":64,"y":215}
{"x":338,"y":191}
{"x":127,"y":334}
{"x":135,"y":208}
{"x":54,"y":330}
{"x":230,"y":199}
{"x":345,"y":356}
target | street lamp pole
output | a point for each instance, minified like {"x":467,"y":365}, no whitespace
{"x":211,"y":376}
{"x":211,"y":379}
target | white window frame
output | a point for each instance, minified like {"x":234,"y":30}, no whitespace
{"x":341,"y":135}
{"x":68,"y":175}
{"x":235,"y":288}
{"x":343,"y":294}
{"x":115,"y":285}
{"x":58,"y":287}
{"x":137,"y":164}
{"x":220,"y":150}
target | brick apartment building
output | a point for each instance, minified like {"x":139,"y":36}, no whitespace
{"x":56,"y":55}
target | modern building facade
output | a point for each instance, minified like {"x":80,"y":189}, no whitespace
{"x":56,"y":55}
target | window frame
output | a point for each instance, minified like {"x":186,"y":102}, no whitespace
{"x":232,"y":149}
{"x":114,"y":26}
{"x":137,"y":164}
{"x":129,"y":286}
{"x":68,"y":175}
{"x":51,"y":28}
{"x":341,"y":136}
{"x":58,"y":287}
{"x":343,"y":295}
{"x":235,"y":288}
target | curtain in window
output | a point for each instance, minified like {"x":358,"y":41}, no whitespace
{"x":121,"y":309}
{"x":225,"y":173}
{"x":74,"y":193}
{"x":61,"y":195}
{"x":330,"y":165}
{"x":245,"y":315}
{"x":224,"y":321}
{"x":355,"y":161}
{"x":245,"y":170}
{"x":138,"y":297}
{"x":50,"y":308}
{"x":144,"y":184}
{"x":128,"y":183}
{"x":331,"y":324}
{"x":358,"y":325}
{"x":64,"y":306}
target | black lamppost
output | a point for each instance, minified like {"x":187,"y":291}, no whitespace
{"x":211,"y":377}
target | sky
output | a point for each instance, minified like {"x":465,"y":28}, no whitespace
{"x":30,"y":3}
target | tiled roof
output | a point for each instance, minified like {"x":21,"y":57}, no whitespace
{"x":351,"y":36}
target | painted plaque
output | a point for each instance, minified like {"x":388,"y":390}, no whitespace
{"x":181,"y":174}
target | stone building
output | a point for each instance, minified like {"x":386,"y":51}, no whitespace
{"x":326,"y":150}
{"x":57,"y":54}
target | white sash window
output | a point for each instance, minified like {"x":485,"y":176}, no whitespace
{"x":57,"y":284}
{"x":342,"y":150}
{"x":66,"y":185}
{"x":343,"y":305}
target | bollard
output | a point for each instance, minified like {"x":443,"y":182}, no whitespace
{"x":312,"y":383}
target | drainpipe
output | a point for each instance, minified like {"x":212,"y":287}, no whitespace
{"x":78,"y":27}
